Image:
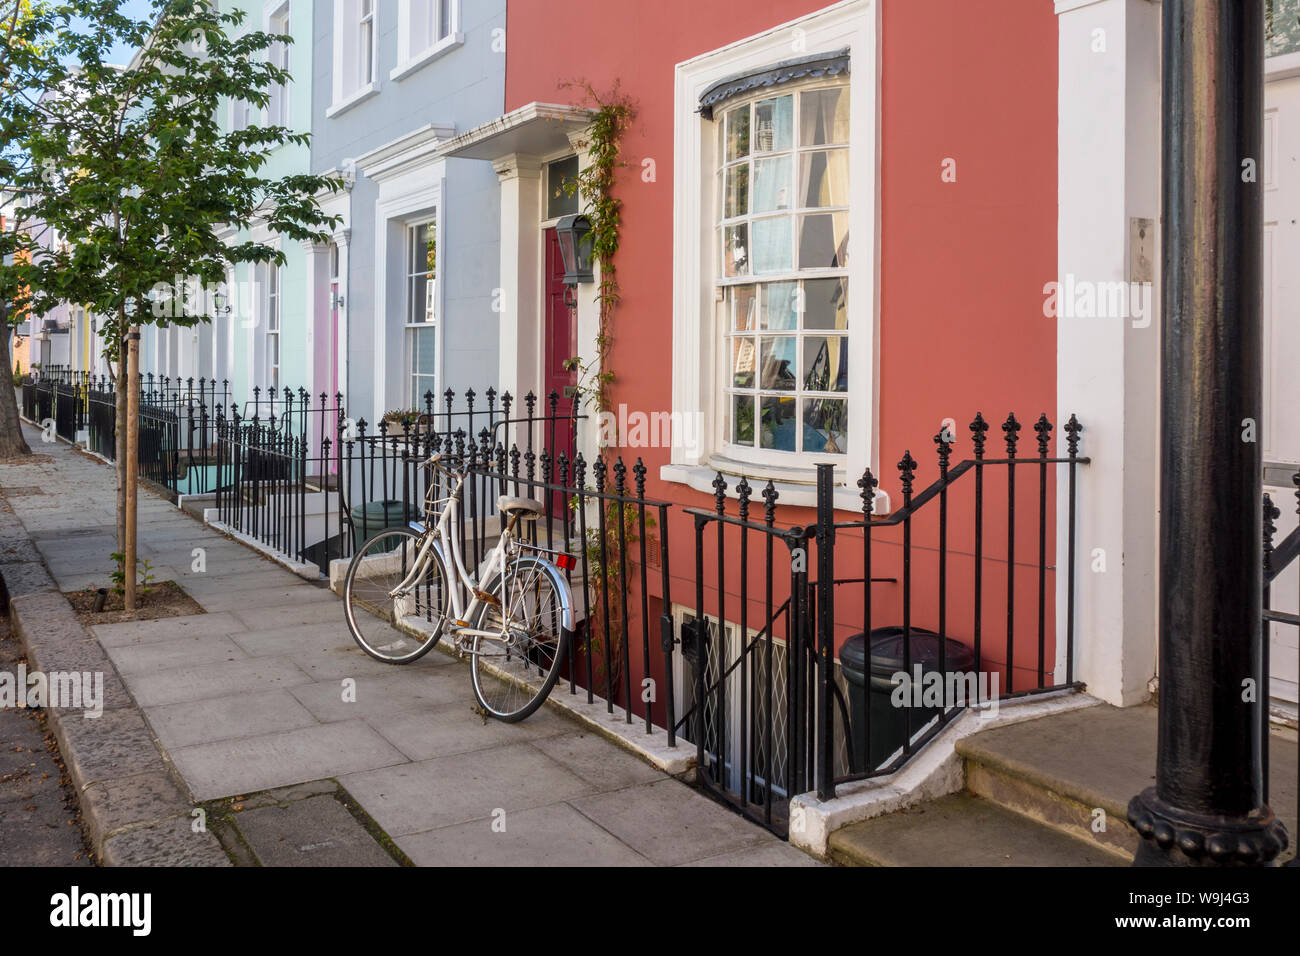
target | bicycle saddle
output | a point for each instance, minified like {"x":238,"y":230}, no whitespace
{"x":528,"y":508}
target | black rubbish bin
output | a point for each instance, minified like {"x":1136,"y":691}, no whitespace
{"x":374,"y":517}
{"x":889,"y":722}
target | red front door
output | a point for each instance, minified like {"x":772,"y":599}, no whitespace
{"x":561,"y":345}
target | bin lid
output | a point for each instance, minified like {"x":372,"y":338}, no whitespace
{"x":379,"y":507}
{"x":887,"y":651}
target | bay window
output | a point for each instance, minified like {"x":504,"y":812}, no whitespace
{"x":783,"y":229}
{"x":774,"y":257}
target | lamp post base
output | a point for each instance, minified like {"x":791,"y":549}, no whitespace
{"x":1175,"y":837}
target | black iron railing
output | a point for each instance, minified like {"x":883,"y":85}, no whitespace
{"x":772,"y":711}
{"x":1276,"y":560}
{"x":748,"y":669}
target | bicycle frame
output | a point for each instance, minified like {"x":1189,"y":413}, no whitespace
{"x":446,"y":544}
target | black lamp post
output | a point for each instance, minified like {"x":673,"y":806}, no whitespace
{"x":1207,"y":807}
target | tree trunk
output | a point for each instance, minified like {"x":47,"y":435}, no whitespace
{"x":12,"y":443}
{"x":132,"y":460}
{"x":119,"y":442}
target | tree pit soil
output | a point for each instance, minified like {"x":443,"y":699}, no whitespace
{"x":166,"y":599}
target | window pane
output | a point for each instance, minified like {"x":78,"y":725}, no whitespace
{"x":825,"y":364}
{"x":1281,"y":27}
{"x":823,"y":241}
{"x":742,"y":362}
{"x":559,"y":202}
{"x":737,"y":133}
{"x":825,"y":304}
{"x":773,"y":124}
{"x":778,"y":424}
{"x":780,"y":304}
{"x":736,"y":196}
{"x":444,"y":18}
{"x":772,"y":184}
{"x":743,"y":299}
{"x":778,"y":363}
{"x":824,"y":117}
{"x":826,"y":425}
{"x":735,"y":250}
{"x":422,"y":346}
{"x":742,"y":419}
{"x":772,"y":246}
{"x":824,"y":178}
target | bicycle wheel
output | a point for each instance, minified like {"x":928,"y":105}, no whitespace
{"x":512,"y":678}
{"x":373,"y":612}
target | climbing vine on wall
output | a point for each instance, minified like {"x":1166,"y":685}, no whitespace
{"x":594,"y":185}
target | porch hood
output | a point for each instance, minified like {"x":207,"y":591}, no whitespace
{"x":537,"y":129}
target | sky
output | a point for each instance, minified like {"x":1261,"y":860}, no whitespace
{"x":139,"y":9}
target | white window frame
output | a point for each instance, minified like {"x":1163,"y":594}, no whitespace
{"x":409,"y":325}
{"x":415,"y":50}
{"x":273,"y":312}
{"x":350,"y":85}
{"x":277,"y":20}
{"x":698,"y":362}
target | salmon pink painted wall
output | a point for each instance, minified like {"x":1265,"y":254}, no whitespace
{"x":962,"y":264}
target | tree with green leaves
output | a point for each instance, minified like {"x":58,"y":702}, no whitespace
{"x":141,"y":179}
{"x":18,"y":30}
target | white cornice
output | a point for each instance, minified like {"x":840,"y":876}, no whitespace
{"x":406,"y":153}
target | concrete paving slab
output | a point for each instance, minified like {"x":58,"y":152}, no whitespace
{"x":377,"y":696}
{"x":455,"y":728}
{"x":296,"y":639}
{"x":555,"y":835}
{"x":187,"y":723}
{"x":670,"y":823}
{"x":229,"y":767}
{"x":166,"y":629}
{"x":267,"y":618}
{"x":331,"y":666}
{"x":159,"y":656}
{"x":769,"y":854}
{"x":592,"y":759}
{"x":456,"y":789}
{"x":317,"y":831}
{"x":222,"y":679}
{"x":303,"y":595}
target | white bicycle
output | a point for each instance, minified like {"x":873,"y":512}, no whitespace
{"x":406,"y":588}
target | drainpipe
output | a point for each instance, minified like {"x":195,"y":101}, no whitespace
{"x":1207,"y":807}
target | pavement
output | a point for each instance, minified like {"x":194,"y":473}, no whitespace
{"x":258,"y":733}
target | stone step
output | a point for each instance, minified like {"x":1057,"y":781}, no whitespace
{"x":1036,"y":793}
{"x":963,"y":830}
{"x":1070,"y":769}
{"x":1076,"y":775}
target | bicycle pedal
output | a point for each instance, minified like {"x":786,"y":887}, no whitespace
{"x":491,"y":600}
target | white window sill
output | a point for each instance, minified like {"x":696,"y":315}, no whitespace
{"x":360,"y":96}
{"x":700,"y":478}
{"x":443,"y":46}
